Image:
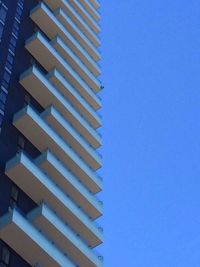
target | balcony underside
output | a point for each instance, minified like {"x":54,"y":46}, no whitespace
{"x":70,"y":184}
{"x":46,"y":220}
{"x":75,"y":63}
{"x":72,"y":137}
{"x":37,"y":85}
{"x":90,"y":9}
{"x":54,"y":4}
{"x":29,"y":243}
{"x":77,"y":34}
{"x":78,"y":101}
{"x":49,"y":58}
{"x":52,"y":27}
{"x":43,"y":137}
{"x":95,"y":3}
{"x":27,"y":176}
{"x":80,"y":22}
{"x":84,"y":14}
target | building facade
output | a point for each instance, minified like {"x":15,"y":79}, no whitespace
{"x":49,"y":159}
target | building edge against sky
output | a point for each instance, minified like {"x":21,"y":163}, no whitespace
{"x":49,"y":138}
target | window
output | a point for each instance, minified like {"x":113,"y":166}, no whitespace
{"x":6,"y":76}
{"x":12,"y":48}
{"x":20,"y":144}
{"x":1,"y":119}
{"x":4,"y":84}
{"x":1,"y":30}
{"x":10,"y":58}
{"x":14,"y":196}
{"x":3,"y":97}
{"x":17,"y":17}
{"x":8,"y":66}
{"x":2,"y":106}
{"x":27,"y":99}
{"x":16,"y":25}
{"x":19,"y":11}
{"x":3,"y":13}
{"x":5,"y":257}
{"x":13,"y":41}
{"x":15,"y":32}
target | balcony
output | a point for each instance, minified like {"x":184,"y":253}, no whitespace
{"x":70,"y":184}
{"x":43,"y":137}
{"x":49,"y":58}
{"x":90,"y":9}
{"x":83,"y":26}
{"x":95,"y":3}
{"x":72,"y":137}
{"x":37,"y":85}
{"x":52,"y":27}
{"x":77,"y":100}
{"x":85,"y":15}
{"x":77,"y":33}
{"x":24,"y":238}
{"x":51,"y":225}
{"x":38,"y":186}
{"x":54,"y":4}
{"x":76,"y":63}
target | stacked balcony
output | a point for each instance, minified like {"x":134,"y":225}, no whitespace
{"x":63,"y":180}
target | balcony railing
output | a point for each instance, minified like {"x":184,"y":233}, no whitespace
{"x":76,"y":32}
{"x":72,"y":137}
{"x":68,"y":241}
{"x":52,"y":27}
{"x":70,"y":184}
{"x":76,"y":63}
{"x":46,"y":94}
{"x":54,"y":4}
{"x":76,"y":99}
{"x":27,"y":176}
{"x":90,"y":9}
{"x":29,"y":243}
{"x":80,"y":22}
{"x":95,"y":3}
{"x":43,"y":137}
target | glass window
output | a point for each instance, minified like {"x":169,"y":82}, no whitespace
{"x":14,"y":196}
{"x":1,"y":30}
{"x":20,"y":4}
{"x":27,"y":99}
{"x":4,"y":84}
{"x":10,"y":58}
{"x":13,"y":41}
{"x":8,"y":66}
{"x":1,"y":119}
{"x":14,"y":193}
{"x":15,"y":33}
{"x":21,"y":142}
{"x":17,"y":17}
{"x":16,"y":25}
{"x":5,"y":256}
{"x":19,"y":10}
{"x":3,"y":13}
{"x":3,"y":97}
{"x":12,"y":48}
{"x":6,"y":76}
{"x":2,"y":106}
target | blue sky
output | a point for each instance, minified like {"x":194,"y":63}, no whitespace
{"x":151,"y":74}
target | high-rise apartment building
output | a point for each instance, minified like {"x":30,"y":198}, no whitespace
{"x":49,"y":141}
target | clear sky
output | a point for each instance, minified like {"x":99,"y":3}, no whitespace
{"x":151,"y":74}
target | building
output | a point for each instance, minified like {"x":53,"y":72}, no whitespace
{"x":49,"y":102}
